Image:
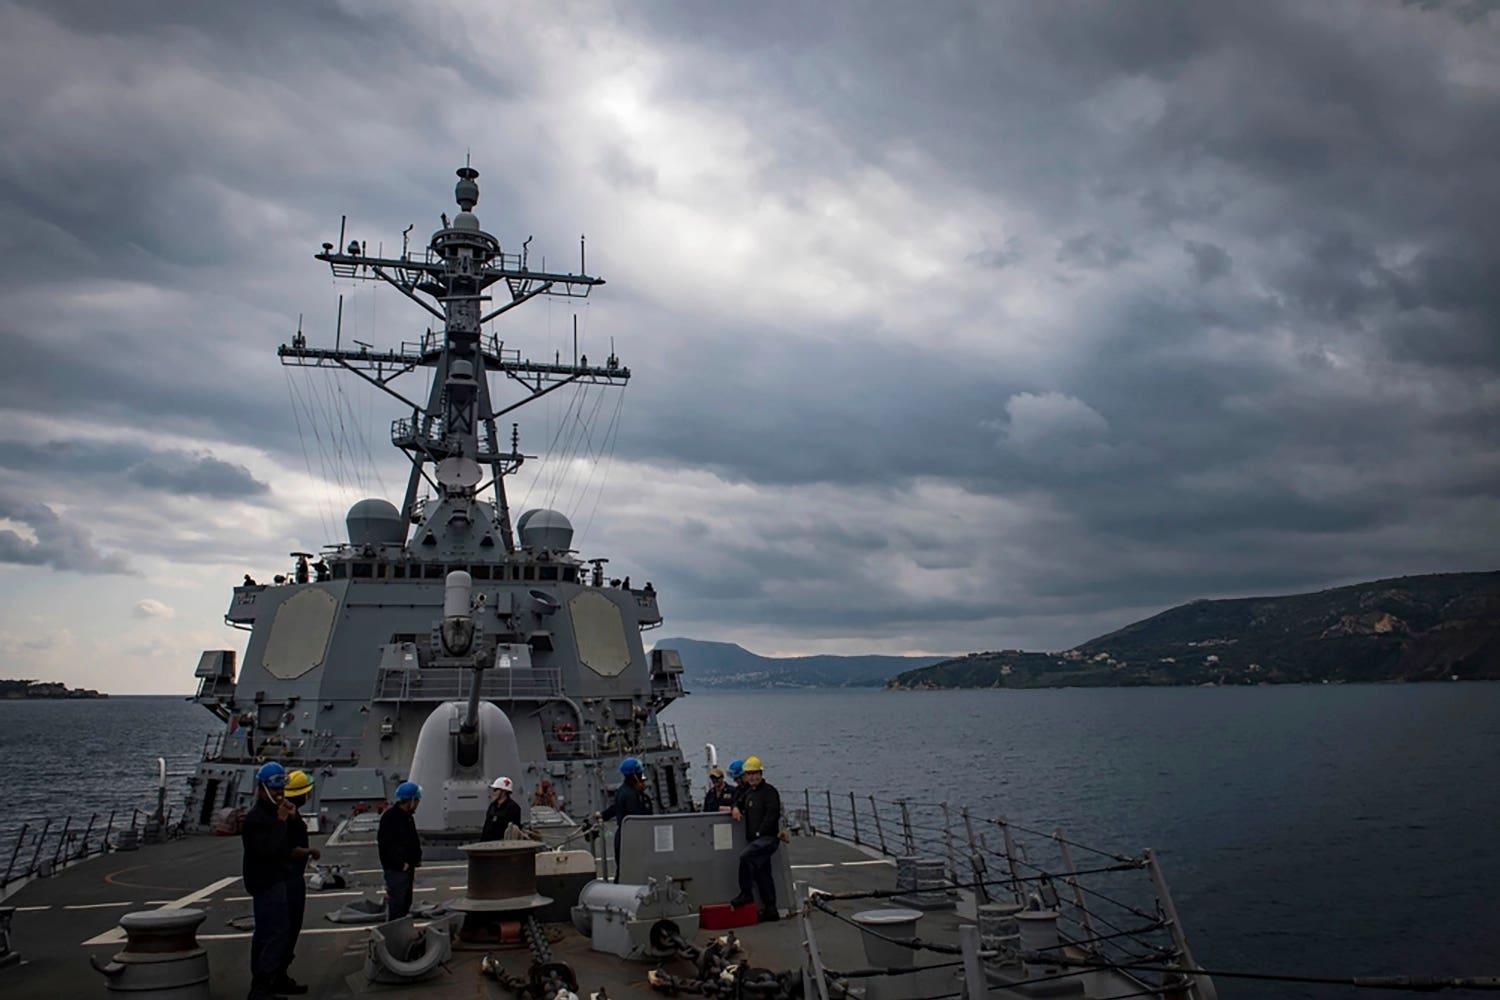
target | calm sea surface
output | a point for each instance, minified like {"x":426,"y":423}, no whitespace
{"x":1323,"y":830}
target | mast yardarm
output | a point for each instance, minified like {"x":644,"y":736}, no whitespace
{"x":453,"y":278}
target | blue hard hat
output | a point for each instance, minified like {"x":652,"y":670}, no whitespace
{"x":736,"y":769}
{"x":631,"y":766}
{"x":408,"y":790}
{"x":272,"y":775}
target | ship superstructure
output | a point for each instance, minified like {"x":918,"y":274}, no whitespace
{"x":351,"y":653}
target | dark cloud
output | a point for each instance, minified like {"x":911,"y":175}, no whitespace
{"x":1093,"y":250}
{"x":1002,"y":256}
{"x":106,"y":462}
{"x":1209,"y":261}
{"x":58,"y":542}
{"x":197,"y":475}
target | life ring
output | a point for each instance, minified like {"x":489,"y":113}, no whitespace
{"x":566,"y":732}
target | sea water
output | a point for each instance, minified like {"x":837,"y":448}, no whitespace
{"x":1332,"y":831}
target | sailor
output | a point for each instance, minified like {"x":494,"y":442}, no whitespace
{"x":719,"y":798}
{"x":631,"y":799}
{"x":298,"y":785}
{"x":760,"y":807}
{"x":400,"y":848}
{"x":504,"y":811}
{"x":268,"y":855}
{"x":737,"y":784}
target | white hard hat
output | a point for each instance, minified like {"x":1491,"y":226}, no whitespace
{"x":503,"y":784}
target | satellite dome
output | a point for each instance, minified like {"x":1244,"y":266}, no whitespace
{"x":466,"y":220}
{"x":375,"y":522}
{"x":545,"y":529}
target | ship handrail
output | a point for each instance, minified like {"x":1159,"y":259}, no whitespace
{"x":434,"y":684}
{"x":298,"y":751}
{"x":1117,"y":911}
{"x":42,"y":847}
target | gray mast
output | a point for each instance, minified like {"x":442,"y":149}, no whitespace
{"x":455,"y":431}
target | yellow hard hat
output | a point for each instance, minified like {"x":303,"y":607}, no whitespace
{"x":753,"y":764}
{"x":298,"y":783}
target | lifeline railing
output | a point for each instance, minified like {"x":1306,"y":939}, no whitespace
{"x":1114,"y":910}
{"x":41,"y":848}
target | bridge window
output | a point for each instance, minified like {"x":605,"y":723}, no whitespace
{"x":340,"y":570}
{"x":547,"y":573}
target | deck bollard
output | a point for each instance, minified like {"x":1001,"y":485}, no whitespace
{"x":999,"y":932}
{"x":875,"y":927}
{"x":923,"y":884}
{"x":161,"y":959}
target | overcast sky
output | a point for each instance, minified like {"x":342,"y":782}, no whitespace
{"x":953,"y":327}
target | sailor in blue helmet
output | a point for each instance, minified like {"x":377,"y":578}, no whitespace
{"x":631,"y":799}
{"x":267,"y":858}
{"x":737,"y":784}
{"x":400,"y":848}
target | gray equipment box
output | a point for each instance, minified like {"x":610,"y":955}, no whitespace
{"x":699,"y":851}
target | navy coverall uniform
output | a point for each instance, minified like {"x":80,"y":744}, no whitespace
{"x":399,"y":847}
{"x":268,"y":854}
{"x":761,"y":808}
{"x":629,"y":801}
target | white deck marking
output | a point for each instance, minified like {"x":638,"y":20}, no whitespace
{"x":32,"y":909}
{"x":880,"y":861}
{"x":828,"y":864}
{"x":97,"y":906}
{"x":347,"y":929}
{"x":310,"y":896}
{"x":117,"y":936}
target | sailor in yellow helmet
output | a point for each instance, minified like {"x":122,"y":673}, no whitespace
{"x":759,"y":806}
{"x":299,"y":785}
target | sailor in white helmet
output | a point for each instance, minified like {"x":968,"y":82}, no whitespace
{"x":504,"y":810}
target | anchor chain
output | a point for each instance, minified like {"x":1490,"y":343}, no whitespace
{"x":724,"y":972}
{"x":536,"y":940}
{"x":546,"y":979}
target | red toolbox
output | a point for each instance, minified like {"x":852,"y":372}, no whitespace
{"x":722,"y":916}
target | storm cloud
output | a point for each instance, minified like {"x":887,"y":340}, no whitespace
{"x":954,"y":327}
{"x":56,"y":542}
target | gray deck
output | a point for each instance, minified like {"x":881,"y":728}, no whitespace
{"x":62,"y":920}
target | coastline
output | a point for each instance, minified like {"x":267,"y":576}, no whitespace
{"x":30,"y":690}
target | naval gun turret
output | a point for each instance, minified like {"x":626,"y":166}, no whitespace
{"x":463,"y":745}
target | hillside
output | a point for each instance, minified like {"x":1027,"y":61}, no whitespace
{"x":1415,"y":628}
{"x":726,"y":665}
